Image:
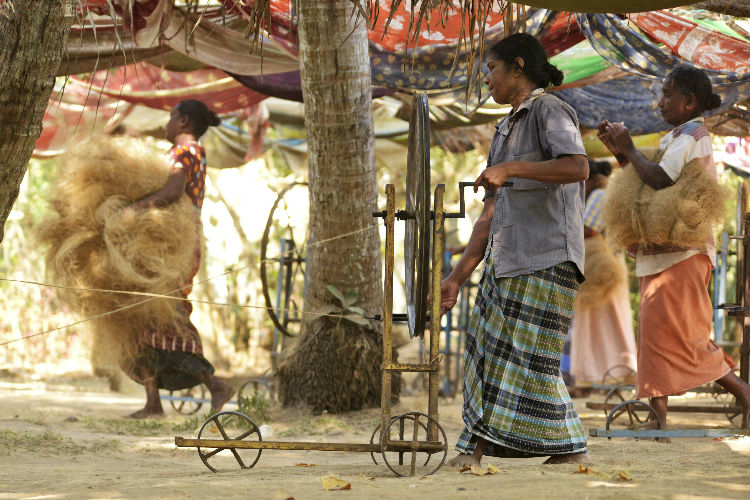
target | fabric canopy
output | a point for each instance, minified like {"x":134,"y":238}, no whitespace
{"x":603,"y":6}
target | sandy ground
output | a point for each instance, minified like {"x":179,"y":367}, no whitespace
{"x":66,"y":438}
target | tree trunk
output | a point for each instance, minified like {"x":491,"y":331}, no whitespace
{"x":335,"y":366}
{"x":32,"y":37}
{"x":730,"y":7}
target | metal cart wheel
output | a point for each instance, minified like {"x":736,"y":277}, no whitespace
{"x":641,"y":415}
{"x":733,"y":411}
{"x":619,"y":374}
{"x":380,"y":438}
{"x":188,"y":407}
{"x":292,"y":262}
{"x":257,"y":386}
{"x":619,"y":394}
{"x":412,"y":423}
{"x":417,"y":217}
{"x":217,"y":424}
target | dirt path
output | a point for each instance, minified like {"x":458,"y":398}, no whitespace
{"x":66,"y":439}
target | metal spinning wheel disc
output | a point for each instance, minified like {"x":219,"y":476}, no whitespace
{"x":417,"y":238}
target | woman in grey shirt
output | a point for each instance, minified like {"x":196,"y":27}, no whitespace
{"x":530,"y":236}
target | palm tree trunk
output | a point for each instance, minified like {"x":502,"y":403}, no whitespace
{"x":335,"y":366}
{"x":32,"y":37}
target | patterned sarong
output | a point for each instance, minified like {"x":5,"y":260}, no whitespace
{"x":514,"y":395}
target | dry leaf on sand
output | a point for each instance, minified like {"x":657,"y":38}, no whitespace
{"x":478,"y":471}
{"x":334,"y":483}
{"x":303,"y":464}
{"x":366,"y":478}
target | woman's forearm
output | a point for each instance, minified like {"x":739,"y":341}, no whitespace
{"x":474,"y":253}
{"x":562,"y":170}
{"x":650,"y":173}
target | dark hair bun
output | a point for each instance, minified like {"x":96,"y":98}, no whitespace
{"x":693,"y":80}
{"x":714,"y":101}
{"x":556,"y":76}
{"x":536,"y":66}
{"x":200,"y":116}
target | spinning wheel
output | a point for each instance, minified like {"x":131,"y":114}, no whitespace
{"x":289,"y":283}
{"x":412,"y":423}
{"x":217,"y":425}
{"x":417,"y":217}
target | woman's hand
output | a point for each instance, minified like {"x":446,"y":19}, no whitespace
{"x":492,"y":177}
{"x":448,"y":295}
{"x":619,"y":136}
{"x":604,"y":135}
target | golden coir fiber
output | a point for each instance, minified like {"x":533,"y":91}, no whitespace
{"x":604,"y":272}
{"x":95,"y":241}
{"x":683,"y":214}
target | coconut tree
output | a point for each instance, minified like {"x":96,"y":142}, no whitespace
{"x":32,"y":38}
{"x":335,"y":365}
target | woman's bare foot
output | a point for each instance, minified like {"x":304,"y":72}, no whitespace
{"x":464,"y":460}
{"x":569,"y":458}
{"x":147,"y":412}
{"x":153,"y":408}
{"x":221,"y":393}
{"x":469,"y":460}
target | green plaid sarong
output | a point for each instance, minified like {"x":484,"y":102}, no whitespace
{"x":514,"y":395}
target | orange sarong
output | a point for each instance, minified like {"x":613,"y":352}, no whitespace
{"x":675,"y":352}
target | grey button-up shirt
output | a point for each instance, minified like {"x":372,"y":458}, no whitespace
{"x":537,"y":224}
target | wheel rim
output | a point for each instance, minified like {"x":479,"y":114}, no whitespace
{"x":248,"y":458}
{"x":414,"y":418}
{"x":417,"y":235}
{"x":298,"y":259}
{"x":636,"y":422}
{"x":188,"y":407}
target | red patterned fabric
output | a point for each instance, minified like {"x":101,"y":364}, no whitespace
{"x":692,"y":42}
{"x":191,"y":158}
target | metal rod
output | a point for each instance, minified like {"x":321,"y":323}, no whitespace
{"x":438,"y":247}
{"x":745,"y":348}
{"x":422,"y":446}
{"x":673,"y":408}
{"x":412,"y":367}
{"x":661,"y":433}
{"x":385,"y":400}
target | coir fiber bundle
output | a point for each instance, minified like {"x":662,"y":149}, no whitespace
{"x":604,"y":273}
{"x":683,"y":214}
{"x":95,"y":241}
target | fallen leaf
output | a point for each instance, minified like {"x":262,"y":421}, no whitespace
{"x":303,"y":464}
{"x":582,"y":469}
{"x":623,"y":475}
{"x":491,"y":469}
{"x":464,"y":469}
{"x":334,"y":483}
{"x":366,"y":478}
{"x":478,"y":471}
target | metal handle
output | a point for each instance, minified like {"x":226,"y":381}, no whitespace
{"x":462,"y":200}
